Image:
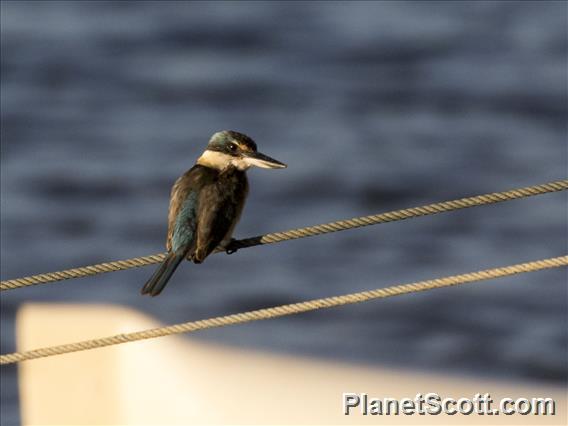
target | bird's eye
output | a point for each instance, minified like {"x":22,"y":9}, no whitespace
{"x":232,"y":147}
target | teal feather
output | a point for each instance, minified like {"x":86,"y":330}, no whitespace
{"x":185,"y":224}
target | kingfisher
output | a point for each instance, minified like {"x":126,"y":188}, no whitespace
{"x":206,"y":202}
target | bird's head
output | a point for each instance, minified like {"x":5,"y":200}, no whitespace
{"x":229,"y":148}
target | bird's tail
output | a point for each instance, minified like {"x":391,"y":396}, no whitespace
{"x":158,"y":281}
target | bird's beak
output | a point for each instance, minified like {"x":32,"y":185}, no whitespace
{"x":260,"y":160}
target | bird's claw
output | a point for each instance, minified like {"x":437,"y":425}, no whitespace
{"x":230,"y":247}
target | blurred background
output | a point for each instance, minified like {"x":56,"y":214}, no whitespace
{"x":375,"y":106}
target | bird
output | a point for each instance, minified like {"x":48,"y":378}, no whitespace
{"x":206,"y":203}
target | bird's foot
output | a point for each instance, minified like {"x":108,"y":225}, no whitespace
{"x":231,"y":247}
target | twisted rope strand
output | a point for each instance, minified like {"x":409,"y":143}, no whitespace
{"x":293,"y":234}
{"x":284,"y":310}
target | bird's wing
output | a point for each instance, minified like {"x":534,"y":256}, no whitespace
{"x":182,"y":217}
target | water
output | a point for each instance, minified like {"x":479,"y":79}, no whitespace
{"x":374,"y":106}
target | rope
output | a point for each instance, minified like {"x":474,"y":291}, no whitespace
{"x":293,"y":234}
{"x":284,"y":310}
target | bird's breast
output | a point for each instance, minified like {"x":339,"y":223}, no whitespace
{"x":224,"y":196}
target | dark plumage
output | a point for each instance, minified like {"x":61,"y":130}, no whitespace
{"x":206,"y":203}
